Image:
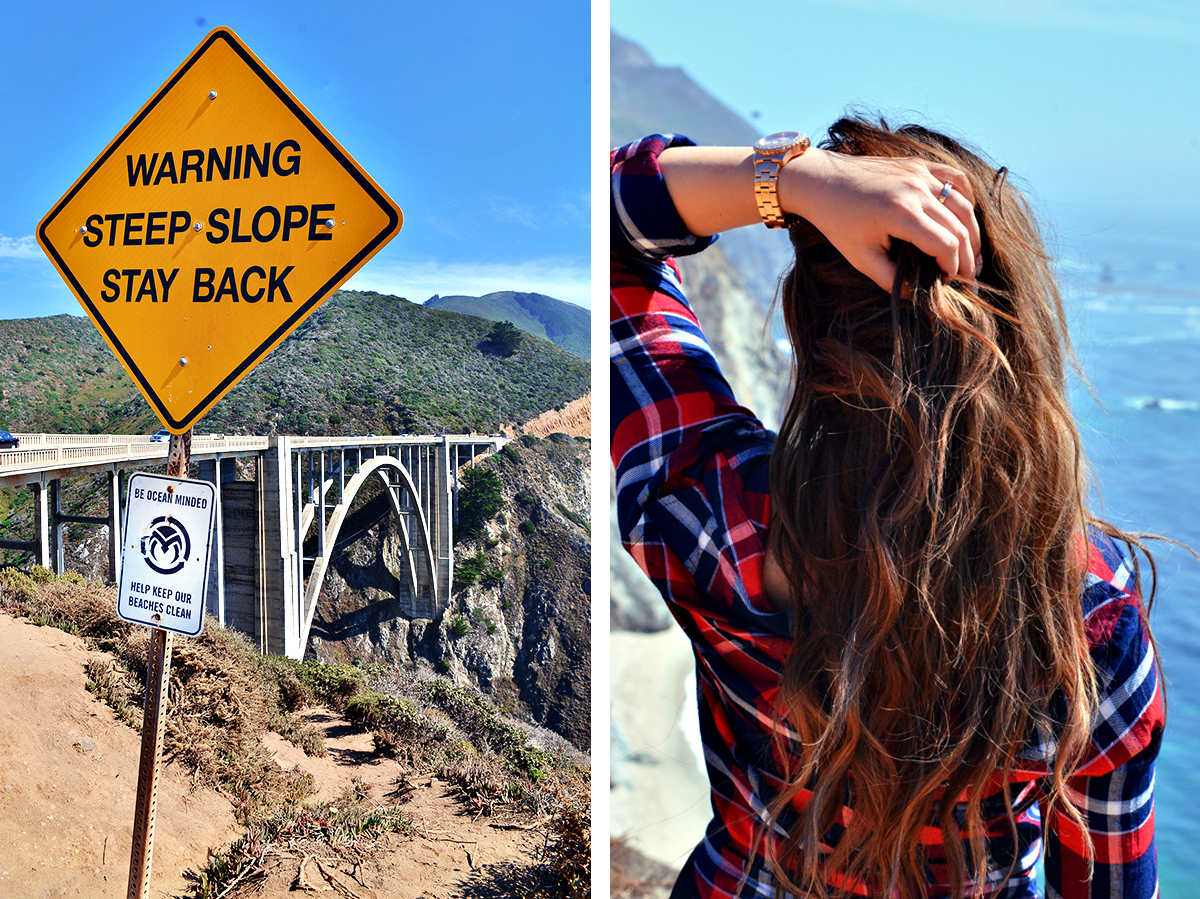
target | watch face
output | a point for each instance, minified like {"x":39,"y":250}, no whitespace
{"x":781,"y":140}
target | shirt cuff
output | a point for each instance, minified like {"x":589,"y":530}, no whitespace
{"x":643,"y":220}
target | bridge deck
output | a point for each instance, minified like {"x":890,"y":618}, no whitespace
{"x":42,"y":457}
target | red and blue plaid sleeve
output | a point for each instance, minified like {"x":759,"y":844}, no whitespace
{"x":675,"y":423}
{"x":1114,"y":789}
{"x":642,"y":219}
{"x":692,"y":504}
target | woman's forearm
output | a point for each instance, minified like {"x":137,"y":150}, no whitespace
{"x":859,"y":203}
{"x":712,"y":187}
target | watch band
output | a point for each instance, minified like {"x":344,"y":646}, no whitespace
{"x":771,"y":154}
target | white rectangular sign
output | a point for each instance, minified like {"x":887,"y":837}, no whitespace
{"x":165,"y":553}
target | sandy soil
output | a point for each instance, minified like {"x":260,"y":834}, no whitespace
{"x":449,"y":855}
{"x":68,"y":775}
{"x":659,"y":801}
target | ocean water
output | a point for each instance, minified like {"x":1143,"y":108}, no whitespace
{"x":1135,"y":314}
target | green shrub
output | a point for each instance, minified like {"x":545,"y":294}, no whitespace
{"x":479,"y":499}
{"x":504,"y":338}
{"x":486,"y":726}
{"x":467,"y":569}
{"x":460,"y":626}
{"x":370,"y":710}
{"x":492,"y":577}
{"x":528,"y":528}
{"x":284,"y":675}
{"x":335,"y":684}
{"x":571,"y":516}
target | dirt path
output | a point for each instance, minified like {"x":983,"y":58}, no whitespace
{"x":68,"y":775}
{"x":449,"y":853}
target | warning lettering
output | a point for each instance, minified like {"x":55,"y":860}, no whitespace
{"x":218,"y":220}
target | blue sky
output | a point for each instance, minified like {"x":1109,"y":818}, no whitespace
{"x":1094,"y":105}
{"x":473,"y":116}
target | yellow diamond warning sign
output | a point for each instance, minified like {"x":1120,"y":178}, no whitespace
{"x":218,"y":220}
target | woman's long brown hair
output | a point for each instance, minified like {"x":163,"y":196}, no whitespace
{"x":928,"y":509}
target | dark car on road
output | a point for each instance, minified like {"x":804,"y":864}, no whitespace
{"x":8,"y":441}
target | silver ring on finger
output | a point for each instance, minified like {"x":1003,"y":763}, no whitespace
{"x":946,"y":188}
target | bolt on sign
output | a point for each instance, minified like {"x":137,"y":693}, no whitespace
{"x":211,"y":226}
{"x":164,"y":568}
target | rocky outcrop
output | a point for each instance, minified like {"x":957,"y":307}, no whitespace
{"x":521,"y":632}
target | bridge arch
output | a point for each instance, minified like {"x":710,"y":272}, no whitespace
{"x":420,"y":562}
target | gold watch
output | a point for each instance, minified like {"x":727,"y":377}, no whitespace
{"x":771,"y":154}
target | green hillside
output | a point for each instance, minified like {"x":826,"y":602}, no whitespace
{"x":565,"y":325}
{"x":363,"y":363}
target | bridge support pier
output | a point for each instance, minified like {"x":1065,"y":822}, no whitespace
{"x":114,"y":525}
{"x":56,"y":526}
{"x":218,"y":472}
{"x":41,"y":524}
{"x":240,"y":518}
{"x":280,"y":620}
{"x":443,"y":514}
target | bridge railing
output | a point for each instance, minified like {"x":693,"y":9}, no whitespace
{"x":216,"y":443}
{"x":20,"y":458}
{"x":336,"y":442}
{"x":115,"y":451}
{"x":242,"y":441}
{"x":48,"y":450}
{"x":131,"y":450}
{"x":78,"y":439}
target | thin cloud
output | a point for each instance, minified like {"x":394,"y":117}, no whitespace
{"x":559,"y":278}
{"x":20,"y":248}
{"x":513,"y":212}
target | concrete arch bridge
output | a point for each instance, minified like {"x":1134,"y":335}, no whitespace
{"x":262,"y":580}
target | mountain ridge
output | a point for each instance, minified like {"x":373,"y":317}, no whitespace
{"x":565,"y":325}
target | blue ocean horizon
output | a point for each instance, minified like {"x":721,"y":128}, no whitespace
{"x":1134,"y":310}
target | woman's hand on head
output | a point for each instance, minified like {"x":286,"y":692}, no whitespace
{"x":862,"y":203}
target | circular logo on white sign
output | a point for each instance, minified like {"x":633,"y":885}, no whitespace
{"x":165,"y":545}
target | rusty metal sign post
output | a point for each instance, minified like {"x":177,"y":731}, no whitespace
{"x":154,"y":717}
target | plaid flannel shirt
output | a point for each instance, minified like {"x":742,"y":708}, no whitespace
{"x":692,"y":506}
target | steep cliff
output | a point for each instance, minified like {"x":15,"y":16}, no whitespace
{"x":519,"y":625}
